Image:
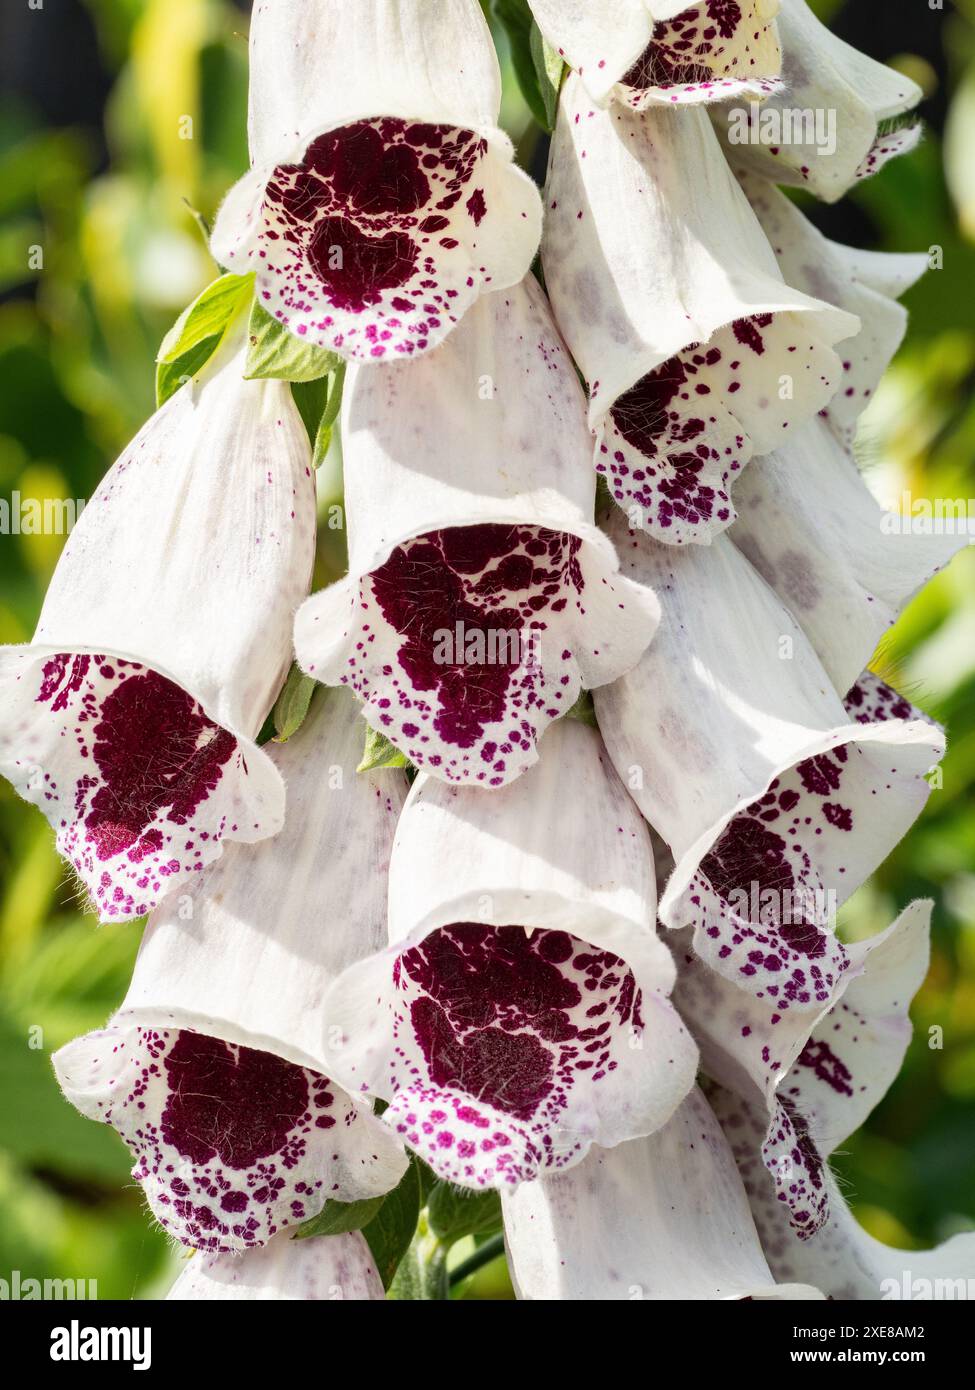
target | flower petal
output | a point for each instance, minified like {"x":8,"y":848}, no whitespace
{"x":163,"y":640}
{"x":844,"y":568}
{"x":664,"y":1217}
{"x":822,"y":75}
{"x":231,"y":1144}
{"x":323,"y":1267}
{"x":845,"y":277}
{"x":520,"y":1013}
{"x":383,"y":200}
{"x":766,"y":789}
{"x":697,"y":354}
{"x":649,"y":52}
{"x":480,"y":597}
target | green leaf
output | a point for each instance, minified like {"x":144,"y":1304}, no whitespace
{"x":391,"y":1230}
{"x":549,"y":68}
{"x":379,"y":752}
{"x":583,"y":710}
{"x":454,"y":1212}
{"x":338,"y":1218}
{"x":207,"y":317}
{"x":292,"y":704}
{"x":273,"y":352}
{"x":198,"y":332}
{"x":333,"y":404}
{"x":517,"y":20}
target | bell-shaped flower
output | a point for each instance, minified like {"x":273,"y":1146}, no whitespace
{"x":520,"y":1013}
{"x":215,"y":1069}
{"x":839,"y":117}
{"x":863,"y":283}
{"x":327,"y":1268}
{"x":697,"y":353}
{"x":776,"y":799}
{"x":481,"y":596}
{"x":665,"y":1217}
{"x":843,"y":567}
{"x":381,"y":200}
{"x":165,"y":635}
{"x":830,"y":1077}
{"x":644,"y":52}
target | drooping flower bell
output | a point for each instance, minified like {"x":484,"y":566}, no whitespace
{"x":696,"y":352}
{"x":776,"y":798}
{"x":665,"y":1217}
{"x":215,"y":1071}
{"x":382,"y":200}
{"x":843,"y":567}
{"x":320,"y":1268}
{"x":520,"y":1013}
{"x":646,"y":52}
{"x":164,"y":638}
{"x":829,"y":1078}
{"x":839,"y":117}
{"x":481,"y":596}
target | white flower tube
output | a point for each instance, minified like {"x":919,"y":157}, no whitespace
{"x":664,"y":1217}
{"x":163,"y":641}
{"x":697,"y":353}
{"x":866,"y":284}
{"x":644,"y":52}
{"x":843,"y":567}
{"x":775,"y":799}
{"x":381,"y":200}
{"x":215,"y":1069}
{"x":332,"y":1268}
{"x":520,"y":1013}
{"x":481,"y":596}
{"x":826,"y":128}
{"x":819,"y":1088}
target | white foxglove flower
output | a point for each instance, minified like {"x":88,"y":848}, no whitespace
{"x":828,"y":1084}
{"x":697,"y":353}
{"x":826,"y":128}
{"x":866,"y":284}
{"x":776,"y":799}
{"x":332,"y":1268}
{"x":843,"y":567}
{"x":643,"y":52}
{"x":520,"y":1013}
{"x":163,"y":640}
{"x":664,"y":1217}
{"x":215,"y":1069}
{"x":481,"y":597}
{"x":381,"y":200}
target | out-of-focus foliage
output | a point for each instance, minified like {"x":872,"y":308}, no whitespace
{"x":124,"y":126}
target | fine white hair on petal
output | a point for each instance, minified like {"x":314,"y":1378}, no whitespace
{"x":469,"y":503}
{"x":766,"y":787}
{"x":665,"y":1217}
{"x":829,"y":1083}
{"x":863,"y":284}
{"x":643,"y":52}
{"x":823,"y":131}
{"x":521,"y":1011}
{"x":697,"y":353}
{"x":843,"y":567}
{"x":382,"y":200}
{"x":214,"y":1070}
{"x":163,"y":641}
{"x":322,"y":1268}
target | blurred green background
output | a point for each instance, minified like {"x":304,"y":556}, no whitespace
{"x":96,"y":172}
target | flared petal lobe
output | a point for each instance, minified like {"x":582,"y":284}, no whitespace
{"x":163,"y":641}
{"x":697,"y":354}
{"x":520,"y":1013}
{"x":481,"y":597}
